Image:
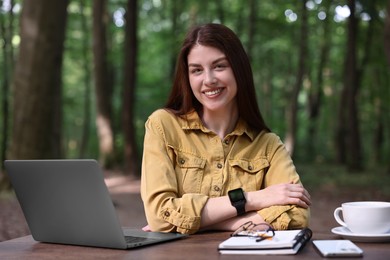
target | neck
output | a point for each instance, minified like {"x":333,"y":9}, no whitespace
{"x":222,"y":123}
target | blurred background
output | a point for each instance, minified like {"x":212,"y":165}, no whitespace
{"x":79,"y":78}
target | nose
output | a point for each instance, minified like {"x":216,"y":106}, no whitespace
{"x":210,"y":78}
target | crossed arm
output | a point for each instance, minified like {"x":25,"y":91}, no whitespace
{"x":219,"y":214}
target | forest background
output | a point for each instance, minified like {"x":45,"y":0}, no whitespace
{"x":78,"y":79}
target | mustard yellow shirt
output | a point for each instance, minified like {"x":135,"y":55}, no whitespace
{"x":184,"y":164}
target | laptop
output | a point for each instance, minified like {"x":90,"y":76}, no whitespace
{"x":67,"y":202}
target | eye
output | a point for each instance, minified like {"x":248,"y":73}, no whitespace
{"x":195,"y":71}
{"x":221,"y":66}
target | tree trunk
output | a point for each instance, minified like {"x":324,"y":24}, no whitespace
{"x":377,"y":120}
{"x":387,"y":52}
{"x":240,"y":21}
{"x":293,"y":109}
{"x":131,"y":164}
{"x":387,"y":34}
{"x":351,"y":86}
{"x":316,"y":91}
{"x":6,"y":30}
{"x":252,"y":27}
{"x":102,"y":87}
{"x":37,"y":82}
{"x":174,"y":43}
{"x":341,"y":132}
{"x":87,"y":83}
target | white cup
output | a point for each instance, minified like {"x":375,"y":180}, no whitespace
{"x":365,"y":217}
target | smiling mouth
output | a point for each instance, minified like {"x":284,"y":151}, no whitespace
{"x":213,"y":92}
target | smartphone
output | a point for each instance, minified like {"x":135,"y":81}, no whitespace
{"x":337,"y":248}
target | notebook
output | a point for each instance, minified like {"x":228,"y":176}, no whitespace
{"x":67,"y":202}
{"x":285,"y":242}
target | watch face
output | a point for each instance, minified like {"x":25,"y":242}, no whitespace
{"x":236,"y":195}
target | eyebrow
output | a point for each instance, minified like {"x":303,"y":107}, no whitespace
{"x":215,"y":61}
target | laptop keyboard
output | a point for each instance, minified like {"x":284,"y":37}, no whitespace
{"x":131,"y":239}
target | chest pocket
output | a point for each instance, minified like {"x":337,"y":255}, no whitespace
{"x":248,"y":174}
{"x":190,"y":170}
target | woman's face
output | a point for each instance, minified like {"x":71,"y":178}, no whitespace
{"x":211,"y":78}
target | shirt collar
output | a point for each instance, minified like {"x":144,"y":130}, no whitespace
{"x":192,"y":121}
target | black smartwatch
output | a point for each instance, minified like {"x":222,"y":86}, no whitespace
{"x":237,"y":199}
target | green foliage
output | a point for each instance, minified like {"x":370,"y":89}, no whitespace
{"x":274,"y":55}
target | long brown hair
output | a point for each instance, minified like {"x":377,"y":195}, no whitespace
{"x":181,"y":99}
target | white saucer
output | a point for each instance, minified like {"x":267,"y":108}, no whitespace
{"x":346,"y":233}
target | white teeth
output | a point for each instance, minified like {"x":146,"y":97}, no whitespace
{"x":214,"y":92}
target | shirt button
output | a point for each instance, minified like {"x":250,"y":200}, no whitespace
{"x":226,"y":141}
{"x":250,"y":168}
{"x":216,"y":188}
{"x":182,"y":161}
{"x":219,"y":165}
{"x":167,"y":214}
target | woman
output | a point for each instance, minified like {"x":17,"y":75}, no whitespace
{"x":210,"y":161}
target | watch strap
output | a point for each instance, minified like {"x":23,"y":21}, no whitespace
{"x":240,"y":207}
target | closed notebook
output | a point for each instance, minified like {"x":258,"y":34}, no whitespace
{"x":284,"y":242}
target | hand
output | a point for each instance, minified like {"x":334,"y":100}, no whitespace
{"x":280,"y":194}
{"x":147,"y":228}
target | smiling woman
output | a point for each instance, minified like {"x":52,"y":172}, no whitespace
{"x":210,"y":161}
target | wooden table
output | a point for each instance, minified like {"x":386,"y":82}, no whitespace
{"x":199,"y":246}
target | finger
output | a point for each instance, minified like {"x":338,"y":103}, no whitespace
{"x":298,"y":202}
{"x":146,"y":228}
{"x":307,"y":200}
{"x":300,"y":188}
{"x":303,"y":204}
{"x":300,"y":195}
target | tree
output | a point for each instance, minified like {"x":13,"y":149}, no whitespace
{"x":103,"y":89}
{"x":87,"y":83}
{"x":252,"y":28}
{"x":387,"y":50}
{"x":174,"y":13}
{"x":349,"y":135}
{"x":293,"y":109}
{"x":131,"y":164}
{"x":37,"y":82}
{"x":387,"y":34}
{"x":315,"y":94}
{"x":6,"y":30}
{"x":37,"y":86}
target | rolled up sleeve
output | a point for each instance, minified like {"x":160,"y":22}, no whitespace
{"x":286,"y":217}
{"x":186,"y":217}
